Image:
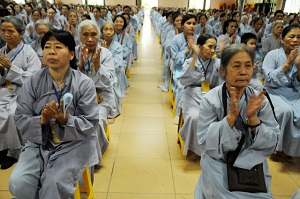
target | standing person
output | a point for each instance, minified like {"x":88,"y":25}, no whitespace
{"x":200,"y":73}
{"x":17,"y":62}
{"x":245,"y":114}
{"x":58,"y":146}
{"x":281,"y":68}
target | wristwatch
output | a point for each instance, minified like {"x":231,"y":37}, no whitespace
{"x":252,"y":126}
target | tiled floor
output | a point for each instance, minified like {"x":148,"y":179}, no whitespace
{"x":143,"y":159}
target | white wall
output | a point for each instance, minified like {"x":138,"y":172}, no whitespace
{"x":122,"y":2}
{"x":173,"y":3}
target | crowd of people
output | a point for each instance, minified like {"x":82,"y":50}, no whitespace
{"x":236,"y":81}
{"x":48,"y":53}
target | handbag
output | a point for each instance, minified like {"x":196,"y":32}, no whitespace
{"x":253,"y":180}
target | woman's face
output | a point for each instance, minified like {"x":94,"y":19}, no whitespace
{"x":277,"y":29}
{"x":89,"y":37}
{"x":189,"y":26}
{"x":11,"y":12}
{"x":208,"y":49}
{"x":245,"y":20}
{"x":72,"y":18}
{"x":202,"y":20}
{"x":258,"y":25}
{"x":96,"y":13}
{"x":177,"y":22}
{"x":10,"y":34}
{"x":41,"y":30}
{"x":127,"y":18}
{"x":239,"y":70}
{"x":28,"y":8}
{"x":56,"y":54}
{"x":17,"y":8}
{"x":291,"y":39}
{"x":44,"y":13}
{"x":51,"y":14}
{"x":236,"y":17}
{"x":36,"y":16}
{"x":231,"y":29}
{"x":119,"y":23}
{"x":108,"y":31}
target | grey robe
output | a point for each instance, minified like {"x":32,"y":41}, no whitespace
{"x":216,"y":138}
{"x":25,"y":63}
{"x":51,"y":171}
{"x":191,"y":80}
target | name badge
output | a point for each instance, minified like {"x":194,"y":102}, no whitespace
{"x":205,"y":86}
{"x":8,"y":84}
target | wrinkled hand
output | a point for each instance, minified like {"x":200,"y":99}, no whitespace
{"x":232,"y":39}
{"x":53,"y":110}
{"x":83,"y":57}
{"x":254,"y":104}
{"x":104,"y":44}
{"x":233,"y":112}
{"x":4,"y":62}
{"x":292,"y":56}
{"x":96,"y":59}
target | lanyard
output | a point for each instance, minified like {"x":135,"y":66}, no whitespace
{"x":204,"y":70}
{"x":14,"y":57}
{"x":58,"y":97}
{"x":119,"y":37}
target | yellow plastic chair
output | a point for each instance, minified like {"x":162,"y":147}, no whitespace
{"x":127,"y":72}
{"x":107,"y":132}
{"x":87,"y":186}
{"x":179,"y":138}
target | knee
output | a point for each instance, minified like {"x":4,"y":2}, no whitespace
{"x":23,"y":186}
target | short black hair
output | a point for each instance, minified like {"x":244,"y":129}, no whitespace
{"x":287,"y":29}
{"x":226,"y":24}
{"x":65,"y":38}
{"x":247,"y":36}
{"x":125,"y":23}
{"x":203,"y":38}
{"x":187,"y":17}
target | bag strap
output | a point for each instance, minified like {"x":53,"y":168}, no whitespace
{"x":241,"y":142}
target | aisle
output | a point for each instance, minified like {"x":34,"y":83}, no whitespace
{"x":143,"y":159}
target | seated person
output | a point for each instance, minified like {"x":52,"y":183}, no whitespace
{"x":199,"y":74}
{"x":249,"y":39}
{"x":245,"y":113}
{"x":58,"y":146}
{"x":281,"y":69}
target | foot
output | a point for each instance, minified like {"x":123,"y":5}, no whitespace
{"x":111,"y":120}
{"x":8,"y":162}
{"x":176,"y":120}
{"x":280,"y":156}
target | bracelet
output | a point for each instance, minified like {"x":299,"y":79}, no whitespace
{"x":254,"y":126}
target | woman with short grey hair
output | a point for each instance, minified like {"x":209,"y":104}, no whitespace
{"x":17,"y":62}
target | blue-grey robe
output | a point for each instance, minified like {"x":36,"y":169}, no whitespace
{"x":227,"y":40}
{"x":103,"y":80}
{"x":25,"y":63}
{"x":283,"y":88}
{"x":199,"y":28}
{"x":216,"y":138}
{"x":51,"y":171}
{"x":191,"y":79}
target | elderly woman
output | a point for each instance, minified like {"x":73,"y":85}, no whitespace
{"x":17,"y":62}
{"x":272,"y":42}
{"x":41,"y":27}
{"x":232,"y":113}
{"x":97,"y":63}
{"x":59,"y":144}
{"x":199,"y":74}
{"x":73,"y":21}
{"x":124,"y":39}
{"x":281,"y":68}
{"x":108,"y":33}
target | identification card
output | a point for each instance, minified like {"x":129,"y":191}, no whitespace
{"x":205,"y":86}
{"x":8,"y":84}
{"x":54,"y":134}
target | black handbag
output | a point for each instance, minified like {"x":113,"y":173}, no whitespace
{"x":242,"y":179}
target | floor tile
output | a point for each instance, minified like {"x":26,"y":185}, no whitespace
{"x":144,"y":97}
{"x":139,"y":196}
{"x":102,"y":177}
{"x":143,"y":146}
{"x":144,"y":125}
{"x":148,"y":110}
{"x":133,"y":175}
{"x":112,"y":147}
